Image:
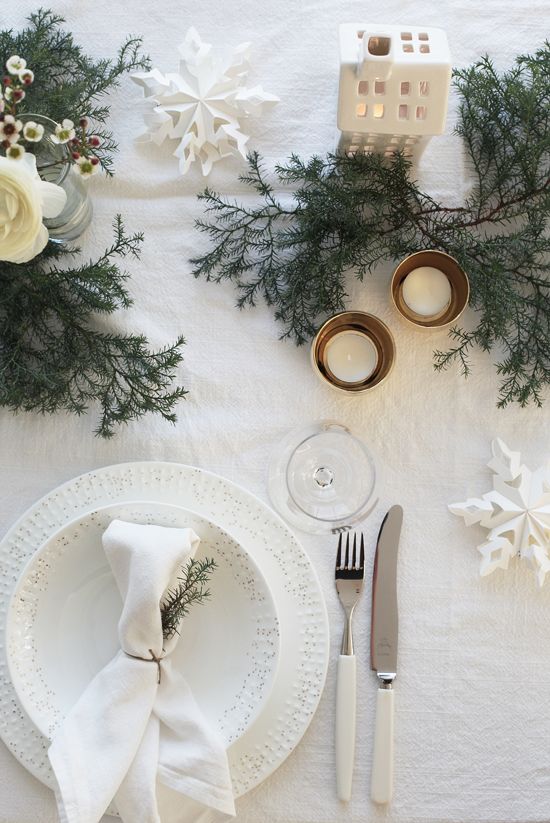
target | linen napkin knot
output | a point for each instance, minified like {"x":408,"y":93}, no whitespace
{"x":136,"y":735}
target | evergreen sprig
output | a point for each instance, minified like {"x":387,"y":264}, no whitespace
{"x":345,"y":213}
{"x":67,"y":82}
{"x":191,"y":589}
{"x":53,"y":355}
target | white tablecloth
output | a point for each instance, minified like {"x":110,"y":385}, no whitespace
{"x":472,"y":730}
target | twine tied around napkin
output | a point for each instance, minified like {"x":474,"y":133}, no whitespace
{"x":152,"y":659}
{"x":136,"y":734}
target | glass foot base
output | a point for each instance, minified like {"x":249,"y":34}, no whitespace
{"x":322,"y":478}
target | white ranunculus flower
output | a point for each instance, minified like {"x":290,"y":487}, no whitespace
{"x":25,"y":200}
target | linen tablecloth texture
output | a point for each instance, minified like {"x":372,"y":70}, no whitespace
{"x":473,"y":689}
{"x":139,"y":710}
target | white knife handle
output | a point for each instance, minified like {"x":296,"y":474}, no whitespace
{"x":382,"y":764}
{"x":345,"y":724}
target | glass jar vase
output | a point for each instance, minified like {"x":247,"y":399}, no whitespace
{"x":54,"y":164}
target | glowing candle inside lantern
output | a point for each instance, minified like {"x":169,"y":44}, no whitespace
{"x":351,"y":356}
{"x":426,"y":291}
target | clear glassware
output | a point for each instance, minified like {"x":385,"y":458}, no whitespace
{"x":322,"y":478}
{"x":53,"y":162}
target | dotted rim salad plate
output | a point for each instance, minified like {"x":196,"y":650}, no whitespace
{"x":61,"y":626}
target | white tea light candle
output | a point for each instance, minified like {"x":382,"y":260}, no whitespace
{"x":426,"y":291}
{"x":353,"y":352}
{"x":351,"y":356}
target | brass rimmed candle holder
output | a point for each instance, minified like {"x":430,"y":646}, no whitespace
{"x":458,"y":282}
{"x":377,"y":336}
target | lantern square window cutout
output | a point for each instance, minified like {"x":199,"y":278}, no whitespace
{"x":406,"y":35}
{"x":403,"y":112}
{"x":361,"y":110}
{"x":360,"y":34}
{"x":378,"y":110}
{"x":363,"y":87}
{"x":421,"y":112}
{"x":405,"y":89}
{"x":379,"y":87}
{"x":424,"y":88}
{"x":424,"y":49}
{"x":423,"y":35}
{"x":379,"y":46}
{"x":408,"y":47}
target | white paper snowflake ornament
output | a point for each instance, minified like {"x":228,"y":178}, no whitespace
{"x":203,"y":104}
{"x":516,"y":512}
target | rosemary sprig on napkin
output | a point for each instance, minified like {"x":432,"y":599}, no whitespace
{"x":191,"y":589}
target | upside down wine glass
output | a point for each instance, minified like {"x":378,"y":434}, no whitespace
{"x":322,"y":478}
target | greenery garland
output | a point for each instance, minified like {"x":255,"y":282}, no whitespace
{"x":356,"y":212}
{"x":53,"y":355}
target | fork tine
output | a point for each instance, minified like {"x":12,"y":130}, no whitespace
{"x":362,"y":560}
{"x":354,"y":557}
{"x":339,"y":553}
{"x":346,"y":564}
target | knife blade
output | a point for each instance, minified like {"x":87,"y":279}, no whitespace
{"x":384,"y":640}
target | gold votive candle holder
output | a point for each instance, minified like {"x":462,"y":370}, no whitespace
{"x":377,"y":336}
{"x":458,"y":282}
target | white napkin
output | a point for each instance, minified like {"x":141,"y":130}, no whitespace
{"x":130,"y":738}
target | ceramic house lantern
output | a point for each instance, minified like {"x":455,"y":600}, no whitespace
{"x":394,"y":87}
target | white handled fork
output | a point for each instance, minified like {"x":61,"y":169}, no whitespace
{"x":349,"y":576}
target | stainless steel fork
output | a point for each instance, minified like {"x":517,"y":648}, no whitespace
{"x":349,"y":576}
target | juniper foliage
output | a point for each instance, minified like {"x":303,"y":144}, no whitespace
{"x":53,"y":356}
{"x":67,"y":82}
{"x":55,"y":353}
{"x":358,"y":212}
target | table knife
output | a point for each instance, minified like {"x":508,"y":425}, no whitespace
{"x":384,"y":631}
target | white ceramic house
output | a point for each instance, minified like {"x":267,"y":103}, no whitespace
{"x":394,"y":87}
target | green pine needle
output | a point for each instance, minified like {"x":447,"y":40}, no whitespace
{"x":338,"y":213}
{"x":67,"y":82}
{"x":54,"y":355}
{"x":191,"y":589}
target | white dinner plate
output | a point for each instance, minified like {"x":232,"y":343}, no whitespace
{"x":293,"y":582}
{"x":61,"y":627}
